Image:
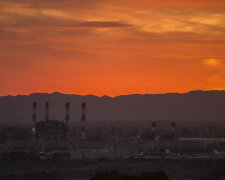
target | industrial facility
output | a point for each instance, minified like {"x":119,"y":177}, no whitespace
{"x":52,"y":140}
{"x":50,"y":129}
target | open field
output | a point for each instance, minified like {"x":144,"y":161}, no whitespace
{"x":68,"y":170}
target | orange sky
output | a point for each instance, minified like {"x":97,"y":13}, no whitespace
{"x":111,"y":47}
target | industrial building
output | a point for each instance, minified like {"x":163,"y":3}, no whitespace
{"x":50,"y":129}
{"x":51,"y":139}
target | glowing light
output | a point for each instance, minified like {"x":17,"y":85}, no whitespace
{"x":212,"y":62}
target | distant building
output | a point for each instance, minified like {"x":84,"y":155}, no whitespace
{"x":51,"y":130}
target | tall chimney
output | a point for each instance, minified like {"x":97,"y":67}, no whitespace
{"x":34,"y":112}
{"x":67,"y":120}
{"x":67,"y":111}
{"x":34,"y":118}
{"x":83,"y":123}
{"x":173,"y":127}
{"x":154,"y":127}
{"x":46,"y":111}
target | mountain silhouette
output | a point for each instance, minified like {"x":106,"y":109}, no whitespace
{"x":192,"y":106}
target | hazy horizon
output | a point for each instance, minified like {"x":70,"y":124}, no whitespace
{"x":193,"y":106}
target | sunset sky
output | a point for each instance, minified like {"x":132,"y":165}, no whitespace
{"x":111,"y":47}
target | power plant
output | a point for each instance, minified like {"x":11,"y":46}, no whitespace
{"x":50,"y":129}
{"x":51,"y":139}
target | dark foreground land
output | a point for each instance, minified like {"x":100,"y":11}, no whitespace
{"x":74,"y":170}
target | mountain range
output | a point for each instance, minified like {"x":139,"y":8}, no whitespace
{"x":192,"y":106}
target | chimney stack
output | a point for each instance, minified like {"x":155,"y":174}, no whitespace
{"x":67,"y":120}
{"x":34,"y":118}
{"x":154,"y":127}
{"x":173,"y":127}
{"x":67,"y":111}
{"x":34,"y":112}
{"x":83,"y":119}
{"x":46,"y":111}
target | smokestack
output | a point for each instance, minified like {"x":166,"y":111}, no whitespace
{"x":67,"y":111}
{"x":83,"y":119}
{"x":154,"y":127}
{"x":34,"y":112}
{"x":67,"y":120}
{"x":173,"y":127}
{"x":46,"y":111}
{"x":34,"y":118}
